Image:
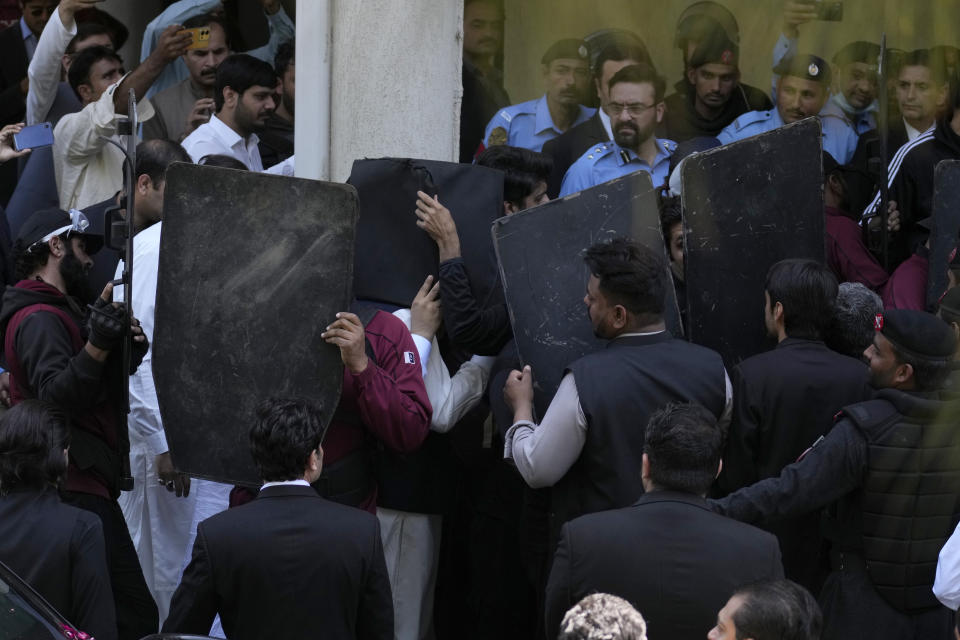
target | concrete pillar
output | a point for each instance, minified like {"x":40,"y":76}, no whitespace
{"x":395,"y":80}
{"x":313,"y":64}
{"x":135,"y":15}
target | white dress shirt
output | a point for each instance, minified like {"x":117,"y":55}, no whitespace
{"x":89,"y":170}
{"x":450,"y":396}
{"x":215,"y":137}
{"x":946,"y":586}
{"x":44,"y":70}
{"x":300,"y":482}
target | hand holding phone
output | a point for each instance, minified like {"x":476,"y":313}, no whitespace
{"x":33,"y":137}
{"x":199,"y":37}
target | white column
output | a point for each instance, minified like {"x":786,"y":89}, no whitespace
{"x":313,"y":63}
{"x":396,"y":86}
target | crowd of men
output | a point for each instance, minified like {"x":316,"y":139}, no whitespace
{"x":808,"y":491}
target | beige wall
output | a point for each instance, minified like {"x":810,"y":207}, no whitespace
{"x":532,"y":25}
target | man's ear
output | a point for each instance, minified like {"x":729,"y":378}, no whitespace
{"x":903,"y":373}
{"x":144,"y":184}
{"x":645,"y":468}
{"x":778,"y":312}
{"x":719,"y":469}
{"x":57,"y":247}
{"x":691,"y":75}
{"x":230,"y":97}
{"x":620,"y":316}
{"x":86,"y":93}
{"x":509,"y":207}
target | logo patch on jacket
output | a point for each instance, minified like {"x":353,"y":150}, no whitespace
{"x":409,"y":358}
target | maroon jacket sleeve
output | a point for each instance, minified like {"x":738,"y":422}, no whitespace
{"x":849,"y":257}
{"x":391,"y":396}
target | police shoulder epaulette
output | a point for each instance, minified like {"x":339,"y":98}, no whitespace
{"x":752,"y":117}
{"x":598,"y":151}
{"x":669,"y":145}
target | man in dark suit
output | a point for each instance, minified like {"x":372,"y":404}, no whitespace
{"x":668,"y":554}
{"x":289,"y":564}
{"x":786,"y":398}
{"x":566,"y":148}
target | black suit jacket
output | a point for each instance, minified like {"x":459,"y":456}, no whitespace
{"x":287,"y":565}
{"x":13,"y":69}
{"x":59,"y":551}
{"x":671,"y":557}
{"x":566,"y":148}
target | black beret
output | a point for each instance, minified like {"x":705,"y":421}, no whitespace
{"x":716,"y":48}
{"x":568,"y":48}
{"x":806,"y":66}
{"x":918,"y":333}
{"x":859,"y":51}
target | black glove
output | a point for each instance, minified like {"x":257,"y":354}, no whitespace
{"x":107,"y":324}
{"x":138,"y":351}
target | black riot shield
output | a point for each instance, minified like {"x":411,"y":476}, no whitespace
{"x":747,"y":205}
{"x":544,"y":277}
{"x":944,"y":230}
{"x":393,"y":255}
{"x":252,"y":269}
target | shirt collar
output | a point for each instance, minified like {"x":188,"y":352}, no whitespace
{"x":662,"y":154}
{"x":543,"y":121}
{"x":229,"y":136}
{"x":605,"y":121}
{"x":300,"y":482}
{"x":25,"y":30}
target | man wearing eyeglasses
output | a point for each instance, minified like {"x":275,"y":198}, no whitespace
{"x":57,"y":350}
{"x":636,"y":109}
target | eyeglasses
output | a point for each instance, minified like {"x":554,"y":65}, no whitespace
{"x":635,"y":109}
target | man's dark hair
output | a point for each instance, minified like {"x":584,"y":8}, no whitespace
{"x":154,"y":156}
{"x":240,"y":71}
{"x":670,"y":214}
{"x":285,"y":433}
{"x":207,"y":19}
{"x":929,"y":374}
{"x":631,"y":275}
{"x":851,"y":326}
{"x":617,"y":52}
{"x":923,"y":58}
{"x":82,"y":63}
{"x":26,"y":262}
{"x":33,"y":435}
{"x":683,"y":443}
{"x":86,"y":30}
{"x":777,"y":610}
{"x":222,"y":160}
{"x":523,"y":169}
{"x":639,"y":74}
{"x":808,"y":292}
{"x":286,"y":53}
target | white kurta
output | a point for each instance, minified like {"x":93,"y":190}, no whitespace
{"x":162,"y":525}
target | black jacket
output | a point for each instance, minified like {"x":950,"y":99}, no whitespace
{"x":59,"y":551}
{"x":668,"y":555}
{"x":682,"y":122}
{"x":567,"y":148}
{"x":480,"y":327}
{"x":287,"y":565}
{"x":861,"y":184}
{"x":13,"y":104}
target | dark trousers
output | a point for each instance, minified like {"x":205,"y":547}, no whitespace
{"x":136,"y":611}
{"x":854,"y":610}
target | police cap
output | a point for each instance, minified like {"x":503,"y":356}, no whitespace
{"x":715,"y":48}
{"x":859,"y":51}
{"x":706,"y":15}
{"x":570,"y":48}
{"x":806,"y":66}
{"x":918,"y":333}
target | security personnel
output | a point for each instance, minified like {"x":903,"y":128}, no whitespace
{"x":802,"y":90}
{"x":636,"y":109}
{"x":890,"y":471}
{"x":854,"y":95}
{"x":566,"y":74}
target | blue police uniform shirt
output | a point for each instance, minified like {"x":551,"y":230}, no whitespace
{"x":608,"y":160}
{"x":860,"y":124}
{"x":527,"y":125}
{"x":839,"y":140}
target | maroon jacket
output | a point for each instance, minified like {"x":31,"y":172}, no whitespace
{"x":387,"y":401}
{"x":847,"y":255}
{"x":907,"y":287}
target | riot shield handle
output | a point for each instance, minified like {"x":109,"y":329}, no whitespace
{"x":883,"y":118}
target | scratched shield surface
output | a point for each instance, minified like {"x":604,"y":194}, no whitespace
{"x":544,"y":277}
{"x":944,"y":230}
{"x":747,"y":205}
{"x":252,"y":269}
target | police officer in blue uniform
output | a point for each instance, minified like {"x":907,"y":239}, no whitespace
{"x":802,"y":90}
{"x":854,"y":96}
{"x":566,"y":73}
{"x":635,"y":108}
